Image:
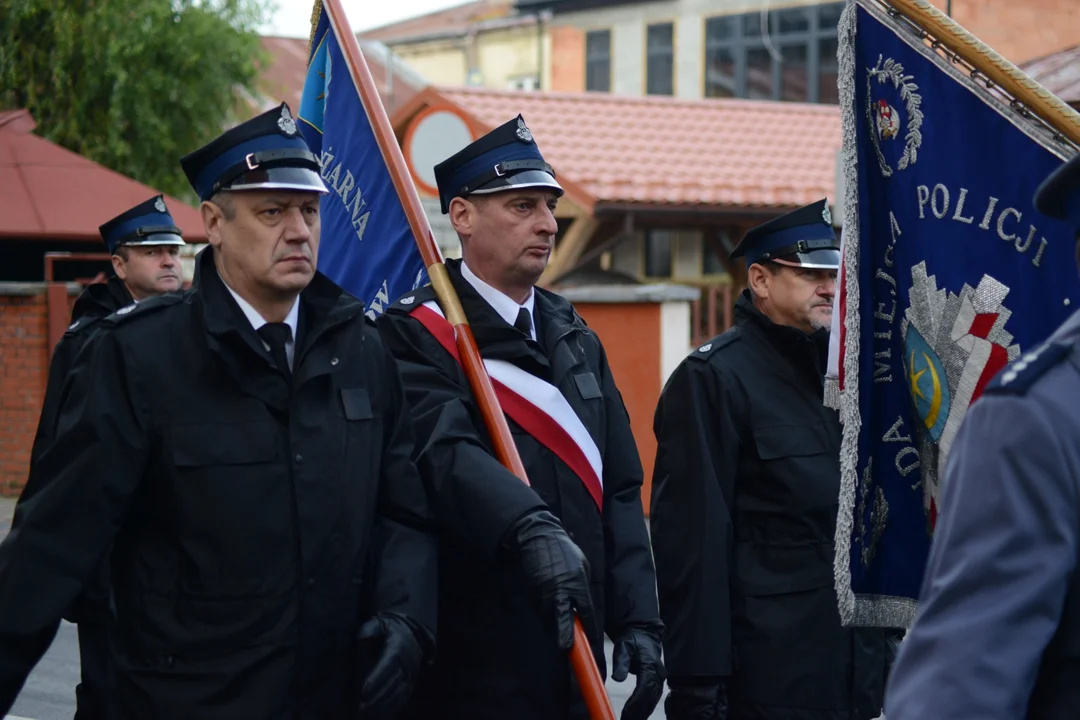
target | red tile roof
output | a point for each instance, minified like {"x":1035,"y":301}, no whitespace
{"x":735,"y":153}
{"x":50,"y":193}
{"x":1058,"y":72}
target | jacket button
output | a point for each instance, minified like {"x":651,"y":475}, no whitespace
{"x":333,"y":361}
{"x":299,"y":459}
{"x":311,"y":582}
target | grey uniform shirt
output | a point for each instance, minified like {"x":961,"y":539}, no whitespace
{"x":1004,"y":549}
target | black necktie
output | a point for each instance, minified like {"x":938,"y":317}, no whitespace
{"x":276,"y":335}
{"x":524,"y":322}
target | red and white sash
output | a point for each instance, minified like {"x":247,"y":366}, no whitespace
{"x":536,"y":405}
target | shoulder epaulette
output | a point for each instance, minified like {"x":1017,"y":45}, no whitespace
{"x":706,"y":351}
{"x":141,"y":308}
{"x":81,"y":325}
{"x":1016,"y":378}
{"x":410,"y":300}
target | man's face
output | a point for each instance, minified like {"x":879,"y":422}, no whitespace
{"x":149,"y":270}
{"x":267,"y":242}
{"x":797,"y":296}
{"x":508,"y":235}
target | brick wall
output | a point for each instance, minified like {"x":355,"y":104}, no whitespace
{"x":631,"y":336}
{"x":567,"y":59}
{"x":1019,"y":30}
{"x":24,"y":370}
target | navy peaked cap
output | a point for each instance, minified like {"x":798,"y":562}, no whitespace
{"x":506,"y":158}
{"x":265,"y":152}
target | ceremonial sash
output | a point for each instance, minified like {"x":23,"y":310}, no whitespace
{"x":536,"y":405}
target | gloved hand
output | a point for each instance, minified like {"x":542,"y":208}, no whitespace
{"x":392,"y":655}
{"x":637,"y":651}
{"x":703,"y":699}
{"x":556,"y":570}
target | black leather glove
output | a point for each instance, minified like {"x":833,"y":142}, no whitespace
{"x":556,"y":570}
{"x":392,"y":655}
{"x":637,"y":651}
{"x":702,"y":699}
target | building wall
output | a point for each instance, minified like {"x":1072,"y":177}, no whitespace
{"x":1020,"y":31}
{"x":441,"y":63}
{"x":505,"y":55}
{"x":498,"y":57}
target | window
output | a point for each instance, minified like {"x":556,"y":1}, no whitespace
{"x":660,"y":59}
{"x":598,"y":60}
{"x":712,"y":250}
{"x":523,"y":82}
{"x":658,"y":247}
{"x":794,"y":61}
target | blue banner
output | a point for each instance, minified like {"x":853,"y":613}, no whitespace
{"x":367,"y":246}
{"x":949,"y":274}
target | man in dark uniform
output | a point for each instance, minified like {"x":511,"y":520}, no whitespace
{"x":144,"y":243}
{"x":997,"y":633}
{"x":515,"y":558}
{"x":744,"y":503}
{"x":244,"y":447}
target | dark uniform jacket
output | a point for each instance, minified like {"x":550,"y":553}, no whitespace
{"x":497,"y":656}
{"x":744,"y":503}
{"x":91,"y":609}
{"x":997,"y":634}
{"x":96,"y":301}
{"x":256,"y":525}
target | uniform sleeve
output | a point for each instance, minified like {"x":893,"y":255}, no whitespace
{"x":59,"y":369}
{"x":692,"y":531}
{"x":406,"y":556}
{"x":474,"y":498}
{"x":85,"y":480}
{"x":630,"y":592}
{"x":1003,"y":552}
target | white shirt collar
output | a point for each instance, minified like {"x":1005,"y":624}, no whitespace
{"x":257,"y":320}
{"x":506,"y":307}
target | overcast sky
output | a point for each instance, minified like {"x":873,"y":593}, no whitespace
{"x":293,"y":17}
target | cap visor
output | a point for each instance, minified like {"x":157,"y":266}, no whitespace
{"x":156,"y":239}
{"x":520,"y":181}
{"x":824,"y":259}
{"x":279,"y":178}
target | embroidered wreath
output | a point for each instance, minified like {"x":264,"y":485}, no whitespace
{"x":886,"y":71}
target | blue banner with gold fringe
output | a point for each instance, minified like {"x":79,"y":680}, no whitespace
{"x":367,"y":246}
{"x":949,"y":274}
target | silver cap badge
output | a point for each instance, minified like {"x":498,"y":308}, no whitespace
{"x":159,"y":205}
{"x":523,"y":132}
{"x":826,"y":215}
{"x":286,"y":122}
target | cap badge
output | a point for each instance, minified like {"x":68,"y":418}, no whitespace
{"x":523,"y":133}
{"x":826,"y":215}
{"x":286,"y":122}
{"x":159,"y":205}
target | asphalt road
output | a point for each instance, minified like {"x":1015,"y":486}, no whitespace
{"x":49,"y":693}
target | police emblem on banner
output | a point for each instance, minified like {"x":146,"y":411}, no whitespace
{"x":894,"y":112}
{"x":954,"y":343}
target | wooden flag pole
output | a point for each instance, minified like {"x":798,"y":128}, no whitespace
{"x":1043,"y":103}
{"x":588,"y":675}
